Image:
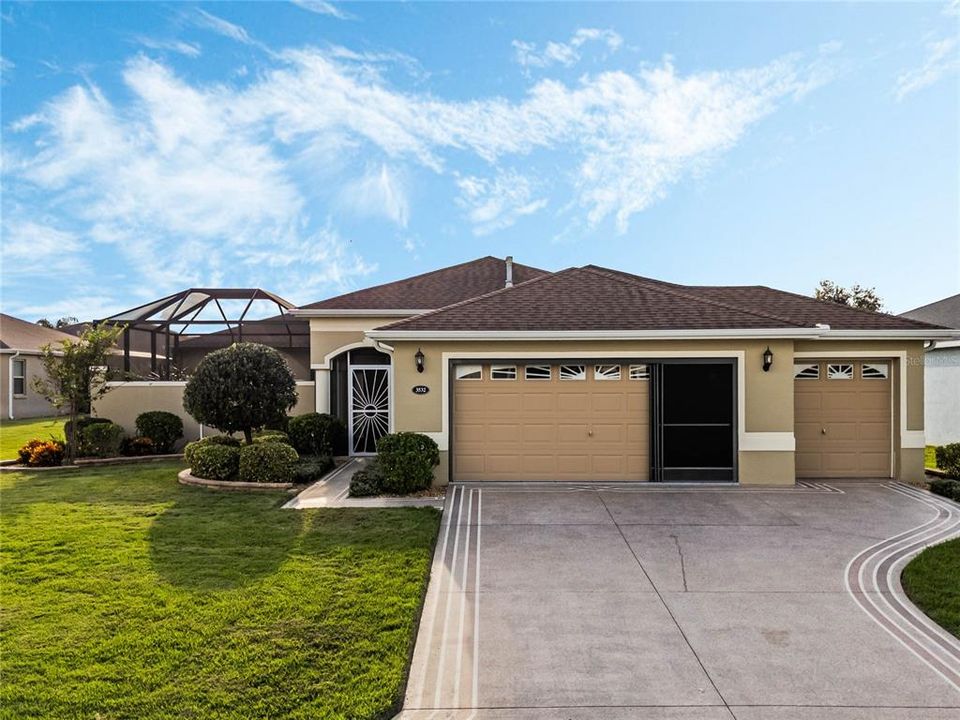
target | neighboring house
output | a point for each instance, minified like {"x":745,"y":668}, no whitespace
{"x":942,"y":373}
{"x":591,"y":374}
{"x":20,"y":343}
{"x":598,"y":375}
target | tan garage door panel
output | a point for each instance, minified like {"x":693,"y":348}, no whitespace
{"x":520,"y":429}
{"x":842,"y":426}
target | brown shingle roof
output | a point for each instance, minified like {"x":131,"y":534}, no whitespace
{"x":943,"y":312}
{"x":592,"y":298}
{"x":17,"y":334}
{"x":434,"y":289}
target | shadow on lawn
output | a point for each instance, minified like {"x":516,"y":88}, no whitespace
{"x":220,"y":541}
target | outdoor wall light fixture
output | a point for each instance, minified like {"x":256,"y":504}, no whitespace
{"x":419,"y":359}
{"x":767,"y":359}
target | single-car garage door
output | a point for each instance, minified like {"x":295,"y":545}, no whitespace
{"x":842,"y":417}
{"x":551,"y":421}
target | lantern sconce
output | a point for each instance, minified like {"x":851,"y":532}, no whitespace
{"x":767,"y":359}
{"x":419,"y":357}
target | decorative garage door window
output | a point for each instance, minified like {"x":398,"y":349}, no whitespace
{"x":503,"y":372}
{"x":469,"y":372}
{"x":537,"y":372}
{"x":369,"y":407}
{"x":806,"y":371}
{"x":840,"y":371}
{"x":606,"y":372}
{"x":573,"y":372}
{"x":874,"y":371}
{"x":639,"y":372}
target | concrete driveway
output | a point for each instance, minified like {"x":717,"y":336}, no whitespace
{"x":675,"y":603}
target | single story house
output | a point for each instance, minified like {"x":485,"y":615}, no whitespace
{"x":592,"y":374}
{"x":941,"y":360}
{"x":20,"y":343}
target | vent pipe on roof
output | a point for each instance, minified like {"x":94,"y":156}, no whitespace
{"x":509,"y":282}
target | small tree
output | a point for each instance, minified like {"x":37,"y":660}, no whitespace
{"x":240,"y":389}
{"x":854,"y":296}
{"x":69,"y":379}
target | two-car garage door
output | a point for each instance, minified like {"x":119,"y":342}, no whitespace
{"x":551,"y":421}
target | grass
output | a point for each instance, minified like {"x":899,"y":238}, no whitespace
{"x":932,"y":581}
{"x":930,"y":456}
{"x":15,"y":433}
{"x":126,"y":595}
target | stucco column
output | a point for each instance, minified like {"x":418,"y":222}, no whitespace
{"x":321,"y":381}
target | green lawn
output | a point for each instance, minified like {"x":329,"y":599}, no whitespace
{"x":932,"y":581}
{"x":930,"y":456}
{"x":15,"y":433}
{"x":126,"y":595}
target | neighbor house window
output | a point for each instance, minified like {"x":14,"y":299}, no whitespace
{"x":874,"y":371}
{"x":639,"y":372}
{"x":537,"y":372}
{"x":503,"y":372}
{"x":840,"y":372}
{"x":806,"y":371}
{"x":606,"y":372}
{"x":19,"y":377}
{"x":469,"y":372}
{"x":573,"y":372}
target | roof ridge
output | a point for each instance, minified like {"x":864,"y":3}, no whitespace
{"x":831,"y":304}
{"x":422,"y":275}
{"x":637,"y":280}
{"x":475,"y":299}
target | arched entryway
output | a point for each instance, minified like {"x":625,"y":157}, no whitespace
{"x":360,"y":395}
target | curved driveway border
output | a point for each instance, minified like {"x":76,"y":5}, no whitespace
{"x":873,"y":580}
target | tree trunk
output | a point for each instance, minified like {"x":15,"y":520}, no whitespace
{"x":248,"y":435}
{"x":72,"y":440}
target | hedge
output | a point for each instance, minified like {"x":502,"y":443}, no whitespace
{"x":270,"y":462}
{"x":215,"y":462}
{"x":164,"y":428}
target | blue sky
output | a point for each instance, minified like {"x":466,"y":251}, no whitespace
{"x":312,"y":148}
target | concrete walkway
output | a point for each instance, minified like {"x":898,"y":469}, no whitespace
{"x":675,"y":603}
{"x":333,"y":491}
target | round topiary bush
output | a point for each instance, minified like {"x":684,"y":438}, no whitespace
{"x":215,"y":462}
{"x":367,"y":481}
{"x":240,"y":389}
{"x":406,"y":461}
{"x":164,"y":428}
{"x":208,"y":440}
{"x":101,"y":440}
{"x":317,"y":434}
{"x":271,"y":462}
{"x":311,"y":468}
{"x":271,"y":436}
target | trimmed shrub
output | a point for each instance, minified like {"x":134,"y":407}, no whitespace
{"x":406,"y":460}
{"x":83,"y":421}
{"x":225,"y":440}
{"x":948,"y":459}
{"x":138,"y":446}
{"x":318,"y":434}
{"x":311,"y":468}
{"x":367,"y":482}
{"x":269,"y":462}
{"x":42,"y":453}
{"x":947,"y":488}
{"x":241,"y":388}
{"x":271,"y":436}
{"x":215,"y":462}
{"x":163,"y":428}
{"x":101,"y":440}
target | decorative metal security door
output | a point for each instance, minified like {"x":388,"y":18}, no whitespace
{"x":369,"y":407}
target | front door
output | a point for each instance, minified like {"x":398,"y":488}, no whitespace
{"x":369,"y":407}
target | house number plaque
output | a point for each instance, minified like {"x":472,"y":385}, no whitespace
{"x":420,"y":389}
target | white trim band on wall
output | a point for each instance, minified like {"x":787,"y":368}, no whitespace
{"x":913,"y":439}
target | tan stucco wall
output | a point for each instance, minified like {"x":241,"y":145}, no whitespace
{"x":31,"y":403}
{"x":766,"y":468}
{"x":330,"y":334}
{"x":125,"y":401}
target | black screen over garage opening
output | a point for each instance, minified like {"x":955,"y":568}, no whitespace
{"x":693,"y":428}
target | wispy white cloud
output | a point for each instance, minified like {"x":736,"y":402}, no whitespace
{"x":35,"y":249}
{"x":942,"y":59}
{"x":92,"y":306}
{"x":493,"y":204}
{"x":6,"y":67}
{"x":529,"y":55}
{"x":177,"y":46}
{"x":222,"y":27}
{"x":379,"y":192}
{"x":323,"y":8}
